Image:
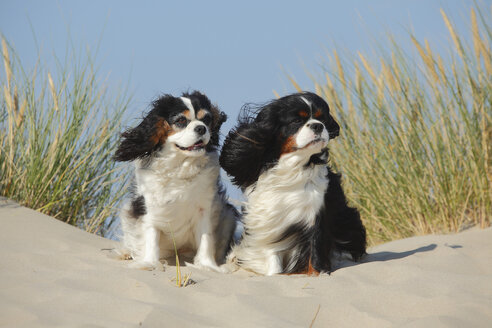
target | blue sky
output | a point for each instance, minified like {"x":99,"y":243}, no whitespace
{"x":235,"y":52}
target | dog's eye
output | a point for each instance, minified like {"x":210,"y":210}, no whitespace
{"x":297,"y":121}
{"x":181,"y":122}
{"x":207,"y":119}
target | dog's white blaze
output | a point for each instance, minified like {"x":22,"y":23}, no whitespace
{"x":309,"y":104}
{"x":285,"y":195}
{"x":189,"y":105}
{"x":306,"y":101}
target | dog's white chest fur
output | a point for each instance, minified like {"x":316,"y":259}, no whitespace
{"x":178,"y":193}
{"x":285,"y":195}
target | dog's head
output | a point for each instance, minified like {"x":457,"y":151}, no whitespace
{"x":188,"y":124}
{"x":299,"y":123}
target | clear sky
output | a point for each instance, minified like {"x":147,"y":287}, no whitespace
{"x":234,"y":51}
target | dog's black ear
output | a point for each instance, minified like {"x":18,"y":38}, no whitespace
{"x":149,"y":135}
{"x":142,"y":140}
{"x":222,"y":118}
{"x":332,"y":127}
{"x":218,"y":119}
{"x":246,"y":152}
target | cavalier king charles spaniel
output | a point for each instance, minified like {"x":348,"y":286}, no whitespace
{"x":177,"y":199}
{"x":296,"y":214}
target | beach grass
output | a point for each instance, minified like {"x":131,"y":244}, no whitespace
{"x":181,"y":280}
{"x":58,"y":130}
{"x":416,"y":132}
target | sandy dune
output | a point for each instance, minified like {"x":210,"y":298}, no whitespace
{"x":53,"y":274}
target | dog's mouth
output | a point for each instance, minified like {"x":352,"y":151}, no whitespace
{"x":199,"y":145}
{"x":316,"y":141}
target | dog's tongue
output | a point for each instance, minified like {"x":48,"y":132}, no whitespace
{"x":197,"y":145}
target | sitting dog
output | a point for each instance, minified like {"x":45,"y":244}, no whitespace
{"x":178,"y":200}
{"x":296,"y":214}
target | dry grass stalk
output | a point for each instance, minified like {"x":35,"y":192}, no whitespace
{"x":476,"y":35}
{"x":53,"y":91}
{"x":6,"y":63}
{"x":454,"y":36}
{"x":315,"y":316}
{"x":294,"y":83}
{"x":368,"y":67}
{"x":340,"y":72}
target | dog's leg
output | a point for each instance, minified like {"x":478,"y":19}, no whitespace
{"x":205,"y":255}
{"x":274,"y":264}
{"x":231,"y":264}
{"x":151,"y":237}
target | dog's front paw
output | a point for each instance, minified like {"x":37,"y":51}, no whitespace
{"x":229,"y":267}
{"x":204,"y":264}
{"x":357,"y":256}
{"x":147,"y":265}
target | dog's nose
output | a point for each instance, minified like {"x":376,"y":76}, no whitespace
{"x":317,"y":127}
{"x":200,"y":130}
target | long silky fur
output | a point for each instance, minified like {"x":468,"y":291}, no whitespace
{"x":295,"y":209}
{"x":178,"y":195}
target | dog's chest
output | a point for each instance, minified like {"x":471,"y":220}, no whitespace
{"x":176,"y":198}
{"x":289,"y":196}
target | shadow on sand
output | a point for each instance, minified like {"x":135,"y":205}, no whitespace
{"x":382,"y":257}
{"x":388,"y":256}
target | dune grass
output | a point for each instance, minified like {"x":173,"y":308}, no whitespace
{"x":416,"y":134}
{"x":57,"y":136}
{"x":181,"y":281}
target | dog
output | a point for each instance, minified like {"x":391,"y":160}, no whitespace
{"x":177,"y":201}
{"x":296,"y":215}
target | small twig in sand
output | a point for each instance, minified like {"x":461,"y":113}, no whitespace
{"x":306,"y":286}
{"x":316,"y":315}
{"x":179,"y":278}
{"x":187,"y":279}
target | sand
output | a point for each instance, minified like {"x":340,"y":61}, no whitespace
{"x":53,"y":274}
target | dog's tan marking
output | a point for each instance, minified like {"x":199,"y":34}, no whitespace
{"x":201,"y":113}
{"x":303,"y":113}
{"x":187,"y":114}
{"x":162,"y":131}
{"x":318,"y":113}
{"x":289,"y":145}
{"x":310,"y":270}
